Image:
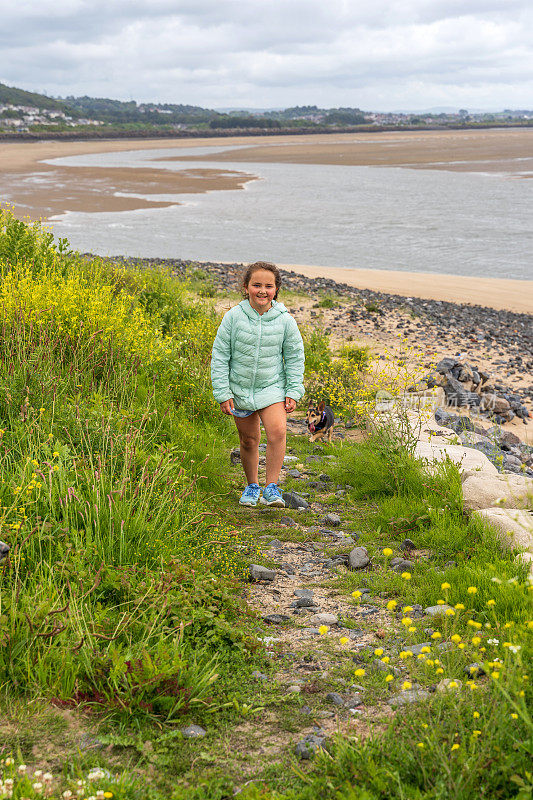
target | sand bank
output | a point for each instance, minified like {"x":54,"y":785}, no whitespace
{"x":43,"y":190}
{"x":496,"y":293}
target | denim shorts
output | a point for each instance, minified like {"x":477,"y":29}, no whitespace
{"x":239,"y":412}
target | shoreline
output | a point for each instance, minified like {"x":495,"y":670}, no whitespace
{"x":499,"y":293}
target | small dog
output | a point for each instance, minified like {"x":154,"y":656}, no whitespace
{"x":320,"y":421}
{"x":4,"y":550}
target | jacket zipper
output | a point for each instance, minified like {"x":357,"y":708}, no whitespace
{"x":256,"y":357}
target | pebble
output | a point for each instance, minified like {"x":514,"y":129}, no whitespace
{"x":434,"y":611}
{"x":276,"y":544}
{"x":416,"y":649}
{"x":304,"y":593}
{"x":407,"y":697}
{"x":404,"y":566}
{"x":193,"y":732}
{"x":332,"y":519}
{"x":358,"y":558}
{"x":275,"y":619}
{"x":407,"y":544}
{"x":294,"y":473}
{"x":288,"y":521}
{"x":259,"y":676}
{"x":294,"y":689}
{"x":303,"y":602}
{"x":324,"y":619}
{"x":308,"y":746}
{"x":335,"y":698}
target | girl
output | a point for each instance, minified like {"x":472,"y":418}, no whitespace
{"x":257,"y":369}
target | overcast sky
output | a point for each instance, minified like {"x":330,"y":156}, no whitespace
{"x":374,"y":54}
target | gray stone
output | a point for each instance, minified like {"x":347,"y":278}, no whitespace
{"x":356,"y":633}
{"x":407,"y":544}
{"x":404,"y":566}
{"x":358,"y":558}
{"x":381,"y":666}
{"x":259,"y":573}
{"x":275,"y":619}
{"x":332,"y":519}
{"x":416,"y":649}
{"x":407,"y":697}
{"x":193,"y":732}
{"x":353,"y":701}
{"x":288,"y":521}
{"x":475,"y":670}
{"x":324,"y":619}
{"x":294,"y":500}
{"x":289,"y":569}
{"x":303,"y":602}
{"x":289,"y":459}
{"x":259,"y":676}
{"x":434,"y":611}
{"x":308,"y":746}
{"x":294,"y":689}
{"x":276,"y":544}
{"x":368,"y":611}
{"x":335,"y":698}
{"x":304,"y":593}
{"x":294,"y":473}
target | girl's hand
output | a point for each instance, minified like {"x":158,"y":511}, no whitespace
{"x":290,"y":405}
{"x":227,"y":406}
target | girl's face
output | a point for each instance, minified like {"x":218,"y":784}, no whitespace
{"x":261,"y":290}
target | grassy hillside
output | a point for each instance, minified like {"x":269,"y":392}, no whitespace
{"x":19,"y":97}
{"x":126,"y":612}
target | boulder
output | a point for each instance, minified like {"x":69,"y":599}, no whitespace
{"x":505,"y":491}
{"x":515,"y":529}
{"x":495,"y":404}
{"x":466,"y":458}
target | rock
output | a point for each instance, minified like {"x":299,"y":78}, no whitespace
{"x":475,"y":670}
{"x":294,"y":500}
{"x":324,"y":619}
{"x":303,"y":602}
{"x":445,"y":365}
{"x":381,"y":666}
{"x":404,"y":566}
{"x":367,"y":611}
{"x":294,"y":689}
{"x":235,"y":456}
{"x":259,"y":676}
{"x":407,"y":697}
{"x":356,"y":633}
{"x":335,"y":698}
{"x":275,"y":619}
{"x":288,"y":521}
{"x":434,"y":611}
{"x":493,"y":403}
{"x":505,"y":491}
{"x":332,"y":519}
{"x":289,"y":459}
{"x":308,"y":746}
{"x":304,"y":593}
{"x":294,"y":473}
{"x":353,"y":701}
{"x":259,"y":573}
{"x":289,"y":569}
{"x":193,"y":732}
{"x":358,"y":558}
{"x":515,"y":528}
{"x":416,"y":649}
{"x":275,"y":544}
{"x":444,"y":685}
{"x":407,"y":544}
{"x":466,"y":458}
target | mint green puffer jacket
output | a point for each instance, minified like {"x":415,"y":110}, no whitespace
{"x":258,"y":359}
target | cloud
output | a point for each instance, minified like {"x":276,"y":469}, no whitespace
{"x":262,"y":53}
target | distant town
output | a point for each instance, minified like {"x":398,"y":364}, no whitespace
{"x":28,"y":114}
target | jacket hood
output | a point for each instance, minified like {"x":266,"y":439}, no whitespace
{"x":272,"y":313}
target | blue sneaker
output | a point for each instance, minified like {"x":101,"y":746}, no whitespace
{"x":272,"y":496}
{"x":250,"y":496}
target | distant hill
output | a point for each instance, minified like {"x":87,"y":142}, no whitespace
{"x":19,"y":97}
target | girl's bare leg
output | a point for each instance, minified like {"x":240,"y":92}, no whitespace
{"x":274,"y":418}
{"x":249,"y":438}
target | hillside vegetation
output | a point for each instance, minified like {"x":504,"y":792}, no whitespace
{"x":126,"y":611}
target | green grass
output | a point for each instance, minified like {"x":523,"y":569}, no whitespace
{"x":123,"y":611}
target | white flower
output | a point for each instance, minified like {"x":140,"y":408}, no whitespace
{"x":514,"y":648}
{"x":496,"y":580}
{"x":47,"y":777}
{"x":37,"y":786}
{"x":493,"y":641}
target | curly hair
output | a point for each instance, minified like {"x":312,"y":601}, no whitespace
{"x":257,"y":265}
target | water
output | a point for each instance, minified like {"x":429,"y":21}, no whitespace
{"x":476,"y":224}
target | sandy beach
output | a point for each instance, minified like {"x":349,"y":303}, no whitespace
{"x":41,"y":190}
{"x":497,"y":293}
